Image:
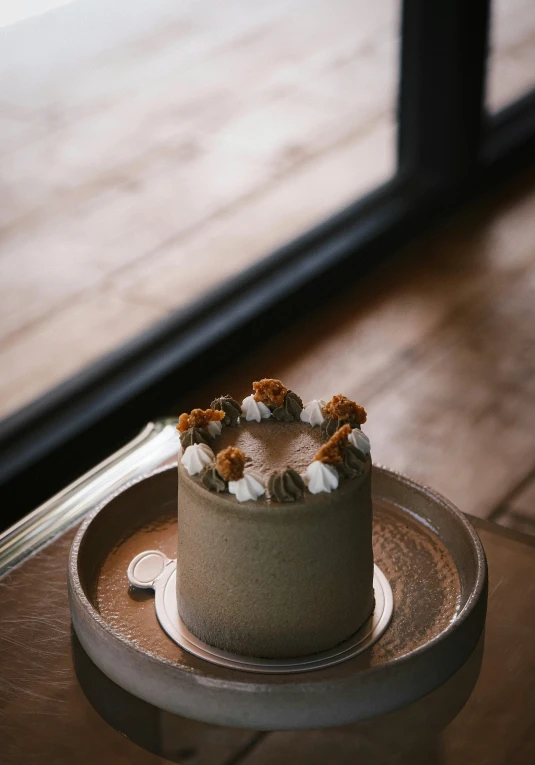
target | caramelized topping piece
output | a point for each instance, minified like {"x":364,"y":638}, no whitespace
{"x":270,"y":392}
{"x":333,"y":451}
{"x":183,"y":423}
{"x":342,"y":408}
{"x":230,"y":464}
{"x":199,"y":418}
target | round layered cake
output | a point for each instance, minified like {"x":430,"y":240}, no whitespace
{"x":274,"y":523}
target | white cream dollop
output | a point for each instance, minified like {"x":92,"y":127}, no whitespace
{"x":360,"y":440}
{"x":251,"y":486}
{"x":312,"y":412}
{"x":254,"y":410}
{"x":214,"y":428}
{"x":196,"y":457}
{"x":320,"y":477}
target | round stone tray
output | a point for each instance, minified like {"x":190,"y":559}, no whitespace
{"x":427,"y":550}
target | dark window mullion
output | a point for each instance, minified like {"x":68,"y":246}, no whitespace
{"x":444,"y":45}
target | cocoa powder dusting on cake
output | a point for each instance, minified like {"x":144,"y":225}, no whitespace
{"x":230,"y":463}
{"x":270,"y":392}
{"x":199,"y":418}
{"x":333,"y":451}
{"x":342,"y":408}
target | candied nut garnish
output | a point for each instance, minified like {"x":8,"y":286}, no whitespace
{"x":183,"y":423}
{"x":270,"y":392}
{"x":333,"y":451}
{"x":199,"y":418}
{"x":230,"y":463}
{"x":342,"y":408}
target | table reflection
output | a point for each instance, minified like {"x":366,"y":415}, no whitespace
{"x":415,"y":727}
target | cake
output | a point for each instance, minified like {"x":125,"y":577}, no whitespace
{"x":274,"y":552}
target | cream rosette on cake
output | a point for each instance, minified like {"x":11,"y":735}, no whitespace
{"x":196,"y":457}
{"x":360,"y":441}
{"x":253,"y":410}
{"x":249,"y":487}
{"x":320,"y":477}
{"x":313,"y":412}
{"x":214,"y":428}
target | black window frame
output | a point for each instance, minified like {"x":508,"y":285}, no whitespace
{"x":450,"y":150}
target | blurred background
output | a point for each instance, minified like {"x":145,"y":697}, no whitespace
{"x":152,"y":152}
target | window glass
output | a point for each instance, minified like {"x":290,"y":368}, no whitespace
{"x":511,"y":64}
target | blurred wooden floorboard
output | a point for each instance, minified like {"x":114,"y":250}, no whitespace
{"x":518,"y":511}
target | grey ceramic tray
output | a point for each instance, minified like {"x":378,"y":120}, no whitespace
{"x":427,"y":549}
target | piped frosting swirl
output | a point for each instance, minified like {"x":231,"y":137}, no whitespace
{"x":352,"y":464}
{"x":230,"y":408}
{"x":249,"y":487}
{"x":313,"y":413}
{"x":195,"y":436}
{"x":360,"y":441}
{"x":286,"y":485}
{"x":196,"y":457}
{"x":320,"y":477}
{"x":254,"y":411}
{"x":291,"y":408}
{"x":212,"y":480}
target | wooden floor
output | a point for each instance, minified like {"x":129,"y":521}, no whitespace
{"x":148,"y":150}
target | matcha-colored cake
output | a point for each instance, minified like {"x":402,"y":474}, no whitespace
{"x":274,"y":523}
